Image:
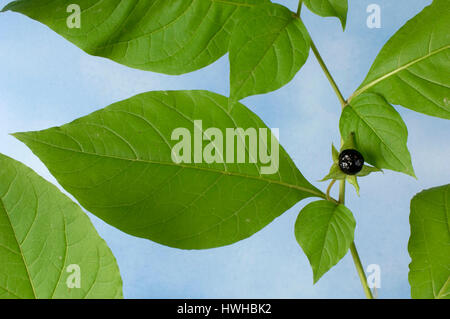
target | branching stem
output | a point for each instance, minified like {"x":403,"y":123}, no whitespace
{"x":343,"y":101}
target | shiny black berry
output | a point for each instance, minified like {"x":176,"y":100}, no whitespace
{"x":351,"y":162}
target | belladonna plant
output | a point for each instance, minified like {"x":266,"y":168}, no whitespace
{"x":118,"y":162}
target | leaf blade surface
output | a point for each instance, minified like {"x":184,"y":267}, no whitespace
{"x":43,"y":233}
{"x":118,"y":163}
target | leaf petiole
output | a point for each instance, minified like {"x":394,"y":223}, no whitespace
{"x":299,"y":9}
{"x":328,"y":75}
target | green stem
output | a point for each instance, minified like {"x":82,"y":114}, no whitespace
{"x":329,"y":189}
{"x":360,"y":270}
{"x":342,"y":191}
{"x":355,"y":255}
{"x":328,"y":75}
{"x":354,"y":251}
{"x":299,"y":9}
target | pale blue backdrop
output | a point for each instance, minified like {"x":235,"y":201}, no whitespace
{"x":46,"y":81}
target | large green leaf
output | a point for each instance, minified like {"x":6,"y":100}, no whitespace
{"x":413,"y":67}
{"x":42,"y":235}
{"x":167,"y":36}
{"x":329,"y":8}
{"x":380,"y":133}
{"x":325,"y":232}
{"x":429,"y":244}
{"x":118,"y":163}
{"x":266,"y":52}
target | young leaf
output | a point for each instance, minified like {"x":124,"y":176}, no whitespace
{"x":329,"y":8}
{"x":429,"y":244}
{"x":325,"y":232}
{"x":412,"y":68}
{"x":269,"y":47}
{"x":118,"y":163}
{"x":172,"y":37}
{"x":380,"y":133}
{"x":48,"y":246}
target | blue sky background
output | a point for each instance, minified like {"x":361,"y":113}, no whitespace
{"x":46,"y":81}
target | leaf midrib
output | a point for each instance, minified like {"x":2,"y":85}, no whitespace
{"x":2,"y":205}
{"x":237,"y":4}
{"x":442,"y":293}
{"x":300,"y":188}
{"x":324,"y":243}
{"x":395,"y":71}
{"x":378,"y":136}
{"x":263,"y":56}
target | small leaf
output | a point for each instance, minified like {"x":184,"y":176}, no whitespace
{"x":329,"y":8}
{"x":267,"y":50}
{"x":47,"y":243}
{"x":325,"y":232}
{"x":172,"y":37}
{"x":120,"y":164}
{"x":335,"y":173}
{"x":429,"y":244}
{"x":412,"y":68}
{"x":353,"y":180}
{"x":380,"y":133}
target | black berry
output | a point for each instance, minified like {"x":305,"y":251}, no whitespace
{"x":351,"y":162}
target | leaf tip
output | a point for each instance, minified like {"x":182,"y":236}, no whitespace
{"x":343,"y":23}
{"x":18,"y":135}
{"x":410,"y":171}
{"x":316,"y":277}
{"x":21,"y":136}
{"x":8,"y":7}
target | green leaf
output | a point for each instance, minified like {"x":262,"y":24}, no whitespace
{"x":44,"y":237}
{"x":329,"y":8}
{"x":429,"y":244}
{"x":380,"y":133}
{"x":269,"y":48}
{"x":412,"y":68}
{"x":118,"y":164}
{"x":172,"y":37}
{"x":325,"y":232}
